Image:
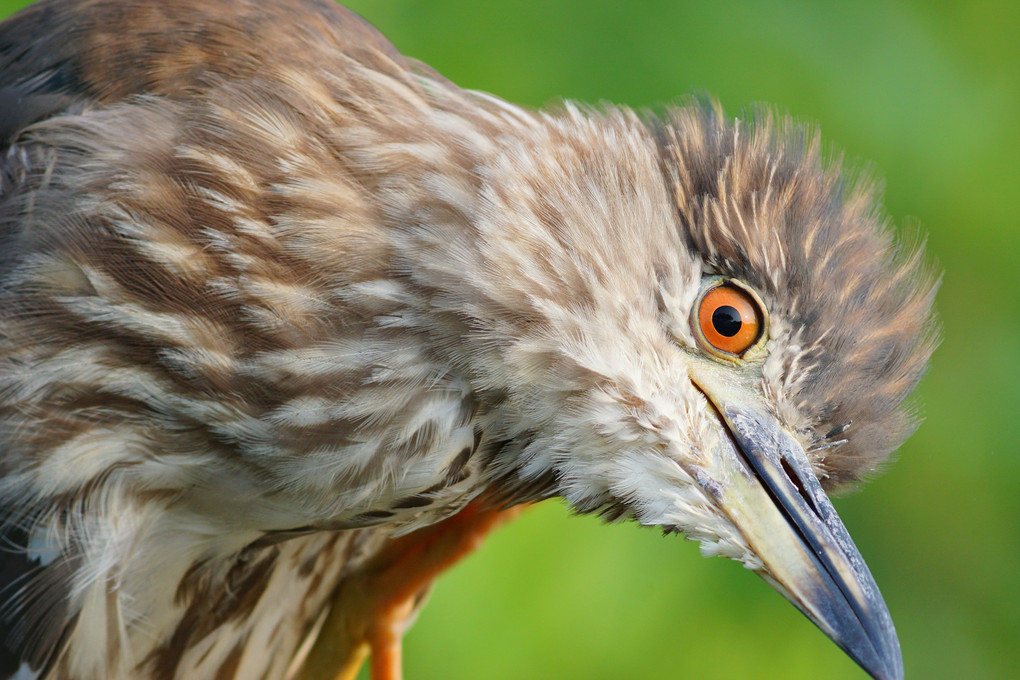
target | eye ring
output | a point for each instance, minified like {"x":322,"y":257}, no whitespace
{"x":729,"y":319}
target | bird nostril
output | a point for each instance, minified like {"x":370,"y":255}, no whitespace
{"x":792,"y":474}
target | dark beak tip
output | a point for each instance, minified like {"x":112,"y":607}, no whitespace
{"x":891,"y":667}
{"x":867,"y":637}
{"x":887,"y":672}
{"x":876,"y":650}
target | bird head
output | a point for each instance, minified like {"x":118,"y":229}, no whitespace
{"x":704,"y":328}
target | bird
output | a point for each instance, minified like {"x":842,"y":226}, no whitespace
{"x":289,"y":322}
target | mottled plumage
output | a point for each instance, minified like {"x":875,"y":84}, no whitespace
{"x":272,"y":293}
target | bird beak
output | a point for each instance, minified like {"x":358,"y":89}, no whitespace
{"x":774,"y":498}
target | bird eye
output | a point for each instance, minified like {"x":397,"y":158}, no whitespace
{"x":730,"y":319}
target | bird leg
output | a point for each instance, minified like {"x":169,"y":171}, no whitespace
{"x":374,"y":607}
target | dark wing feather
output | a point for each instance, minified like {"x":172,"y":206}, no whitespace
{"x":16,"y":568}
{"x":38,"y":75}
{"x":34,"y":616}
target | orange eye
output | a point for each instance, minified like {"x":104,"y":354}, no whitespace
{"x":730,"y":319}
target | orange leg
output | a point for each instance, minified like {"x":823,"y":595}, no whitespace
{"x":374,"y":606}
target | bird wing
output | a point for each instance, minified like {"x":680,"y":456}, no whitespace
{"x":170,"y":318}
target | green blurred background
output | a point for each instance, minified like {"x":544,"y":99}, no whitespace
{"x":930,"y":93}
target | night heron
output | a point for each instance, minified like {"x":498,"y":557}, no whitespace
{"x":289,"y":321}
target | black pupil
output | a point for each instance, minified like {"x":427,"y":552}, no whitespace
{"x":726,"y":320}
